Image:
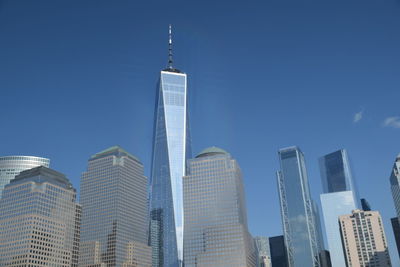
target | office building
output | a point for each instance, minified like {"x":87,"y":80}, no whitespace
{"x":114,"y":211}
{"x":216,"y":232}
{"x":299,"y":226}
{"x":10,"y":166}
{"x":262,"y":245}
{"x":171,"y":149}
{"x":325,"y":258}
{"x":339,"y":198}
{"x":39,"y":220}
{"x":395,"y":184}
{"x":396,"y":231}
{"x":365,"y":206}
{"x":364,"y":240}
{"x":278,"y":251}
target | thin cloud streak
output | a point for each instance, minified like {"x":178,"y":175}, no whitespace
{"x":358,"y":116}
{"x":393,"y":122}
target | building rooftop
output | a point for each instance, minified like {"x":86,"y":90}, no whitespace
{"x":21,"y":157}
{"x":211,"y":151}
{"x":172,"y":70}
{"x":114,"y":151}
{"x":43,"y":174}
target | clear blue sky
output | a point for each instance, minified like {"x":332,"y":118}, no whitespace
{"x":79,"y":76}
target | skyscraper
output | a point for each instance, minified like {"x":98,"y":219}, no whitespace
{"x":114,"y":219}
{"x":339,"y":198}
{"x":395,"y":184}
{"x":364,"y":239}
{"x":297,"y":210}
{"x":365,"y":206}
{"x":10,"y":166}
{"x":39,"y":220}
{"x":216,"y":232}
{"x":171,"y":149}
{"x":277,"y":250}
{"x":396,"y":231}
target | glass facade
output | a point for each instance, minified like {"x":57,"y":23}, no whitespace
{"x":216,"y":232}
{"x":114,"y":219}
{"x":334,"y":205}
{"x":335,"y":172}
{"x":339,"y":198}
{"x":297,"y":211}
{"x":365,"y":206}
{"x":395,"y":184}
{"x":39,"y":220}
{"x":10,"y":166}
{"x":277,"y":250}
{"x":264,"y":257}
{"x":171,"y":149}
{"x":396,"y":231}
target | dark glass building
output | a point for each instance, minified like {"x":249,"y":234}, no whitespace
{"x":365,"y":206}
{"x":335,"y":172}
{"x":278,"y":251}
{"x":396,"y":231}
{"x":325,"y":258}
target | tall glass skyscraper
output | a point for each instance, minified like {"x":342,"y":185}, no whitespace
{"x":10,"y":166}
{"x":171,"y":149}
{"x":395,"y":184}
{"x":339,"y":198}
{"x":216,"y":232}
{"x":114,"y":219}
{"x":299,"y":226}
{"x":39,"y":220}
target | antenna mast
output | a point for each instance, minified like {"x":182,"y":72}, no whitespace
{"x":170,"y":48}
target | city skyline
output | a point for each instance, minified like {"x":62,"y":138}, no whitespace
{"x":122,"y":70}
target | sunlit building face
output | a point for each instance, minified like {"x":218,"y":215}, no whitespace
{"x":171,"y":149}
{"x":216,"y":233}
{"x":114,"y":219}
{"x":39,"y":220}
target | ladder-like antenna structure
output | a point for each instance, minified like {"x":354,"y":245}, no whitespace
{"x":170,"y":48}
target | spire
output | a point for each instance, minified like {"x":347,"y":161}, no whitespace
{"x":170,"y":68}
{"x":170,"y":48}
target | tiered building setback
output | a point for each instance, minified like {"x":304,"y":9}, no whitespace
{"x":10,"y":166}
